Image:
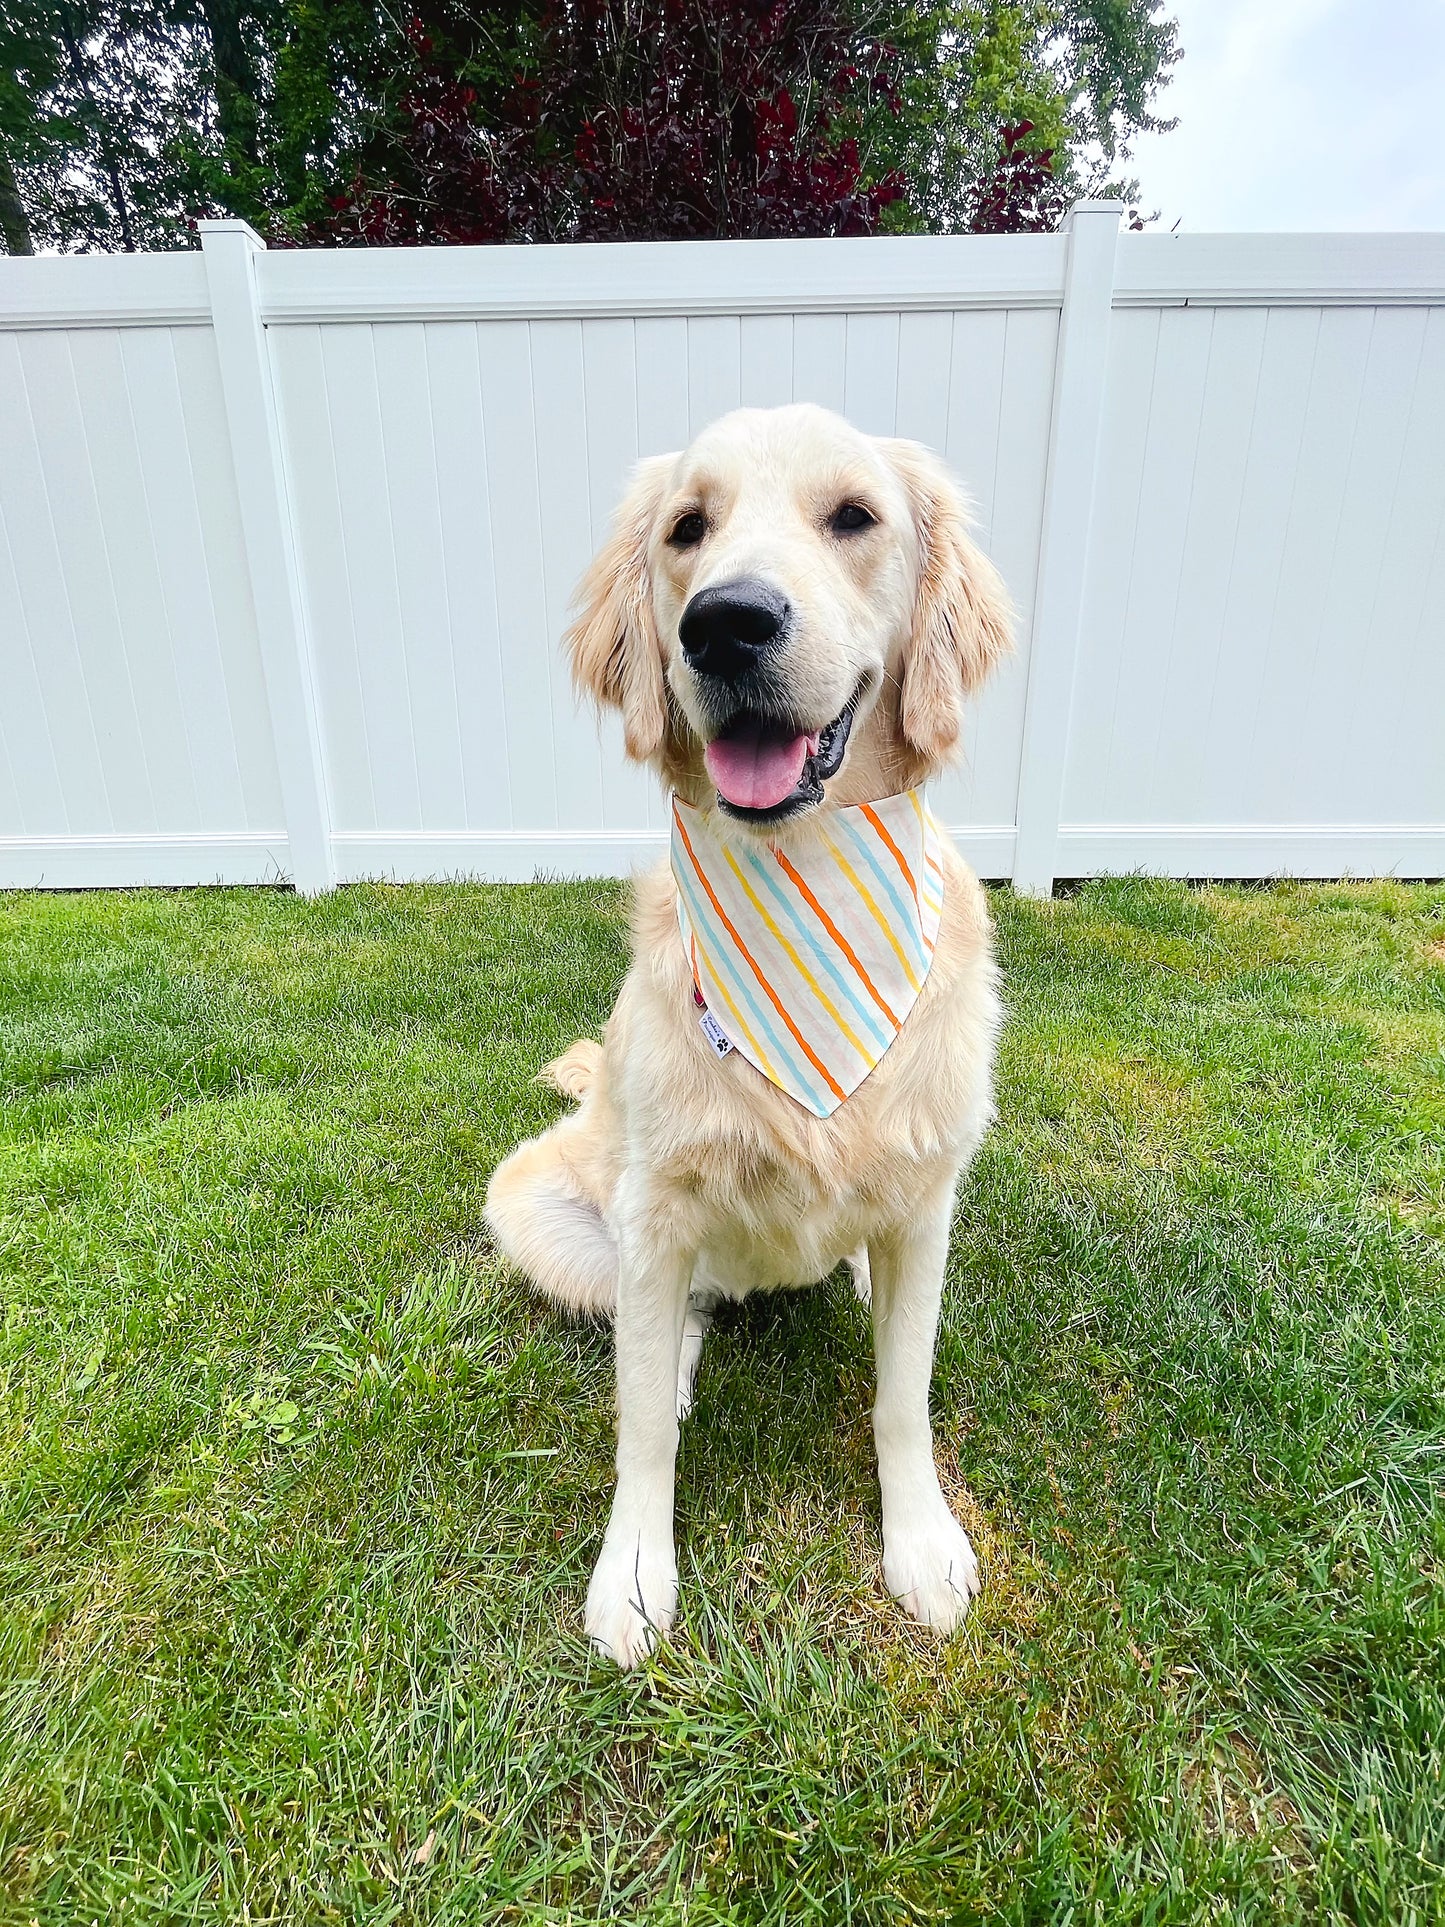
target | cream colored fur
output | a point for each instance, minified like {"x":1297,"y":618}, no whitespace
{"x":681,"y":1178}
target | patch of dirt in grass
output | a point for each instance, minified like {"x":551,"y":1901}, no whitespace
{"x":1108,"y":1116}
{"x":1418,"y":1209}
{"x":1015,"y":1585}
{"x":1018,"y":1593}
{"x":1410,"y":1035}
{"x":840,"y":1595}
{"x":1257,"y":928}
{"x":1234,"y":1800}
{"x":1147,"y":950}
{"x":1158,"y":1105}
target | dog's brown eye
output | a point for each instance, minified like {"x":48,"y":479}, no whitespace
{"x":688,"y":530}
{"x":849,"y":518}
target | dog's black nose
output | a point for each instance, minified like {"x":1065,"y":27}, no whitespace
{"x":725,"y":628}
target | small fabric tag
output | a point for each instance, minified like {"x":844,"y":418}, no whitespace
{"x":713,"y":1031}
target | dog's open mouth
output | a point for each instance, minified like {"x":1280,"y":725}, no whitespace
{"x":765,"y":769}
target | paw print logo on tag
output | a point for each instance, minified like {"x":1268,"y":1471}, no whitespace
{"x":713,"y":1031}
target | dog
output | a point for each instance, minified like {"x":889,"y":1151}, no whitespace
{"x":788,"y":616}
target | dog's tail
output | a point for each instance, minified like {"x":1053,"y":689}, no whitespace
{"x":575,"y":1071}
{"x":539,"y":1206}
{"x":541,"y":1220}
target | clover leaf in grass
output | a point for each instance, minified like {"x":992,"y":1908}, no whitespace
{"x":90,"y":1371}
{"x":264,"y":1410}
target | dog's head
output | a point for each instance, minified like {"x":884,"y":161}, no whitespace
{"x":789,"y":613}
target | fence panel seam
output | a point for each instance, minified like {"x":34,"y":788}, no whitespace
{"x":230,"y":248}
{"x":1081,"y":372}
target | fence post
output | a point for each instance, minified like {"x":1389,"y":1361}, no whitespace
{"x":230,"y":249}
{"x":1080,"y":371}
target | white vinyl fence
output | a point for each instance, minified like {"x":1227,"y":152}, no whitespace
{"x":286,"y":540}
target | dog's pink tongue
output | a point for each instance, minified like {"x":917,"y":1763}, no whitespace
{"x":755,"y":771}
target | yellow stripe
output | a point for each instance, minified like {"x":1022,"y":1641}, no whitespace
{"x":772,"y":996}
{"x":764,"y":1062}
{"x":802,"y":969}
{"x":878,"y":916}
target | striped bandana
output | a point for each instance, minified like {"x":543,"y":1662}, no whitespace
{"x":809,"y":961}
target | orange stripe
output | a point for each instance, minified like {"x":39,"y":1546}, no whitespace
{"x":813,"y":1058}
{"x":837,"y":935}
{"x":877,"y":821}
{"x":929,"y":825}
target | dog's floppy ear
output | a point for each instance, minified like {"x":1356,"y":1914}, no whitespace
{"x":613,"y":643}
{"x":962,"y":618}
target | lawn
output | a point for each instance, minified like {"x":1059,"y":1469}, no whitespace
{"x":301,"y":1489}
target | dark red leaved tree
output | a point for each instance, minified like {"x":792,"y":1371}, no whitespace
{"x":638,"y":120}
{"x":1022,"y":194}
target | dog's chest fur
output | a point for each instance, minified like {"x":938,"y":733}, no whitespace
{"x":770,"y":1192}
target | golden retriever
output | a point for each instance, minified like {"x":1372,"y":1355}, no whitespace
{"x":788,"y":616}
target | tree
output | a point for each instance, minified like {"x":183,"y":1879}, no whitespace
{"x":339,"y":120}
{"x":91,"y":92}
{"x":14,"y":222}
{"x":123,"y":120}
{"x":640,"y":119}
{"x":1014,"y":109}
{"x":653,"y":118}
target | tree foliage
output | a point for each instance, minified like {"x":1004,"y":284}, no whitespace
{"x":90,"y":93}
{"x":342,"y":121}
{"x":1016,"y":109}
{"x":121,"y":121}
{"x":650,"y":119}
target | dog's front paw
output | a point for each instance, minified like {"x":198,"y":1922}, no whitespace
{"x":930,"y":1568}
{"x":632,"y":1598}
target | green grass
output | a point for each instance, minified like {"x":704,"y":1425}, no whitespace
{"x":301,"y":1489}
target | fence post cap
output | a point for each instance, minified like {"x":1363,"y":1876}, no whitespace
{"x":1116,"y":208}
{"x":232,"y":224}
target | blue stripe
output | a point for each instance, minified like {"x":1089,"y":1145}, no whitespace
{"x":787,"y":1055}
{"x":820,"y":952}
{"x":906,"y":911}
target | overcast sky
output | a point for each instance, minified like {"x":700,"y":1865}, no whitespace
{"x":1301,"y":114}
